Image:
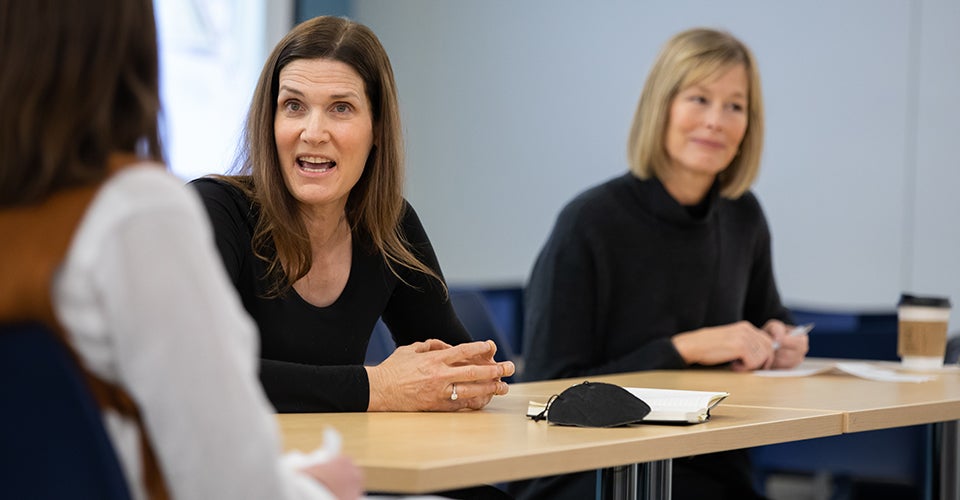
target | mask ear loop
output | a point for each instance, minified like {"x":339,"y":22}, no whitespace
{"x":543,"y":414}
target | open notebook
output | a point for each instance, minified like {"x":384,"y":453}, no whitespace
{"x":666,"y":405}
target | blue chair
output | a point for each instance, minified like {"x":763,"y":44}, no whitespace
{"x":53,"y":444}
{"x":506,"y":308}
{"x":953,"y":350}
{"x":475,"y":314}
{"x":852,"y":336}
{"x":381,"y":344}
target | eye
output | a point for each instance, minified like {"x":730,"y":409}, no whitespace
{"x":342,"y":107}
{"x":697,"y":98}
{"x":293,"y":106}
{"x":737,"y":107}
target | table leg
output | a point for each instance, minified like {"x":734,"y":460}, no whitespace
{"x":656,"y":480}
{"x":617,"y":483}
{"x":948,"y":457}
{"x":646,"y":481}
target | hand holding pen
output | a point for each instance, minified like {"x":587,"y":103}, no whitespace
{"x":795,"y":332}
{"x":790,"y":344}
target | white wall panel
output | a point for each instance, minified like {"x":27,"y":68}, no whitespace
{"x":511,"y":108}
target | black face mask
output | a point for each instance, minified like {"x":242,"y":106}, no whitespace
{"x":595,"y":404}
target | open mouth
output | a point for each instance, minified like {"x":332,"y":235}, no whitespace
{"x":315,"y":164}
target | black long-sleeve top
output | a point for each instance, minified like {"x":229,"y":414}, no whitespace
{"x":627,"y":267}
{"x":311,"y":358}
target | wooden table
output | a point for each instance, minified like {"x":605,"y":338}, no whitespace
{"x":865,"y":404}
{"x":423,"y":452}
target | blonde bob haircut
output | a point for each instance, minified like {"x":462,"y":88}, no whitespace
{"x":691,"y":57}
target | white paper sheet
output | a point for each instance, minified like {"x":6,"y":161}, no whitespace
{"x":856,"y":368}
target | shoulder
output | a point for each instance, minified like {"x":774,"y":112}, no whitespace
{"x":224,"y":201}
{"x":408,"y":213}
{"x":215,"y":189}
{"x":748,"y":201}
{"x":594,"y":204}
{"x":145,"y":187}
{"x":409,"y":220}
{"x":144,"y":196}
{"x":745,"y":217}
{"x":746,"y":208}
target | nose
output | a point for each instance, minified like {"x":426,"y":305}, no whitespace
{"x":714,"y":117}
{"x":315,"y":129}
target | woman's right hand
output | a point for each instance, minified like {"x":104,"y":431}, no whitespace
{"x":746,"y":346}
{"x":422,"y":377}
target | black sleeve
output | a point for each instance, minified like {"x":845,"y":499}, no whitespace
{"x":763,"y":298}
{"x":419,"y":309}
{"x":300,"y":388}
{"x":562,"y":302}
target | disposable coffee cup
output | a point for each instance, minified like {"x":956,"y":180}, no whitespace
{"x":922,"y":331}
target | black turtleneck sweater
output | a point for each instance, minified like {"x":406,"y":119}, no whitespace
{"x":626,"y":268}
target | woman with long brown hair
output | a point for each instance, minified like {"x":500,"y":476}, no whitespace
{"x":319,"y":241}
{"x":104,"y":246}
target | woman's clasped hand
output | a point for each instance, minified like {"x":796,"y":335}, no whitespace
{"x":435,"y":376}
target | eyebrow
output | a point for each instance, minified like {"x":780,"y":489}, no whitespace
{"x":702,"y":88}
{"x":347,"y":95}
{"x":284,"y":88}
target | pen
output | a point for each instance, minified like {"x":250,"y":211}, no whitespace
{"x":796,"y":332}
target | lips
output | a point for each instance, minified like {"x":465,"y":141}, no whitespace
{"x":315,"y":164}
{"x":708,"y":143}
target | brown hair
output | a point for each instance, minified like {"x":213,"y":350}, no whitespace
{"x":375,"y":204}
{"x":78,"y":81}
{"x":688,"y":58}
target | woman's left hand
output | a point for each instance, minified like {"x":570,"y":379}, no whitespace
{"x":792,"y":349}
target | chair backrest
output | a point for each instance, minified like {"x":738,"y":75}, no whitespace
{"x":53,"y":443}
{"x":381,"y":344}
{"x":851,"y":335}
{"x":953,"y":350}
{"x":472,"y":309}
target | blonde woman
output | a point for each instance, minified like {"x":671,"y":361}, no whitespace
{"x":668,"y":265}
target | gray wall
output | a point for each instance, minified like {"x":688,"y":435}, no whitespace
{"x":511,"y":108}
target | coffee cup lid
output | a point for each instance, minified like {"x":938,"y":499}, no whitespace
{"x":916,"y":300}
